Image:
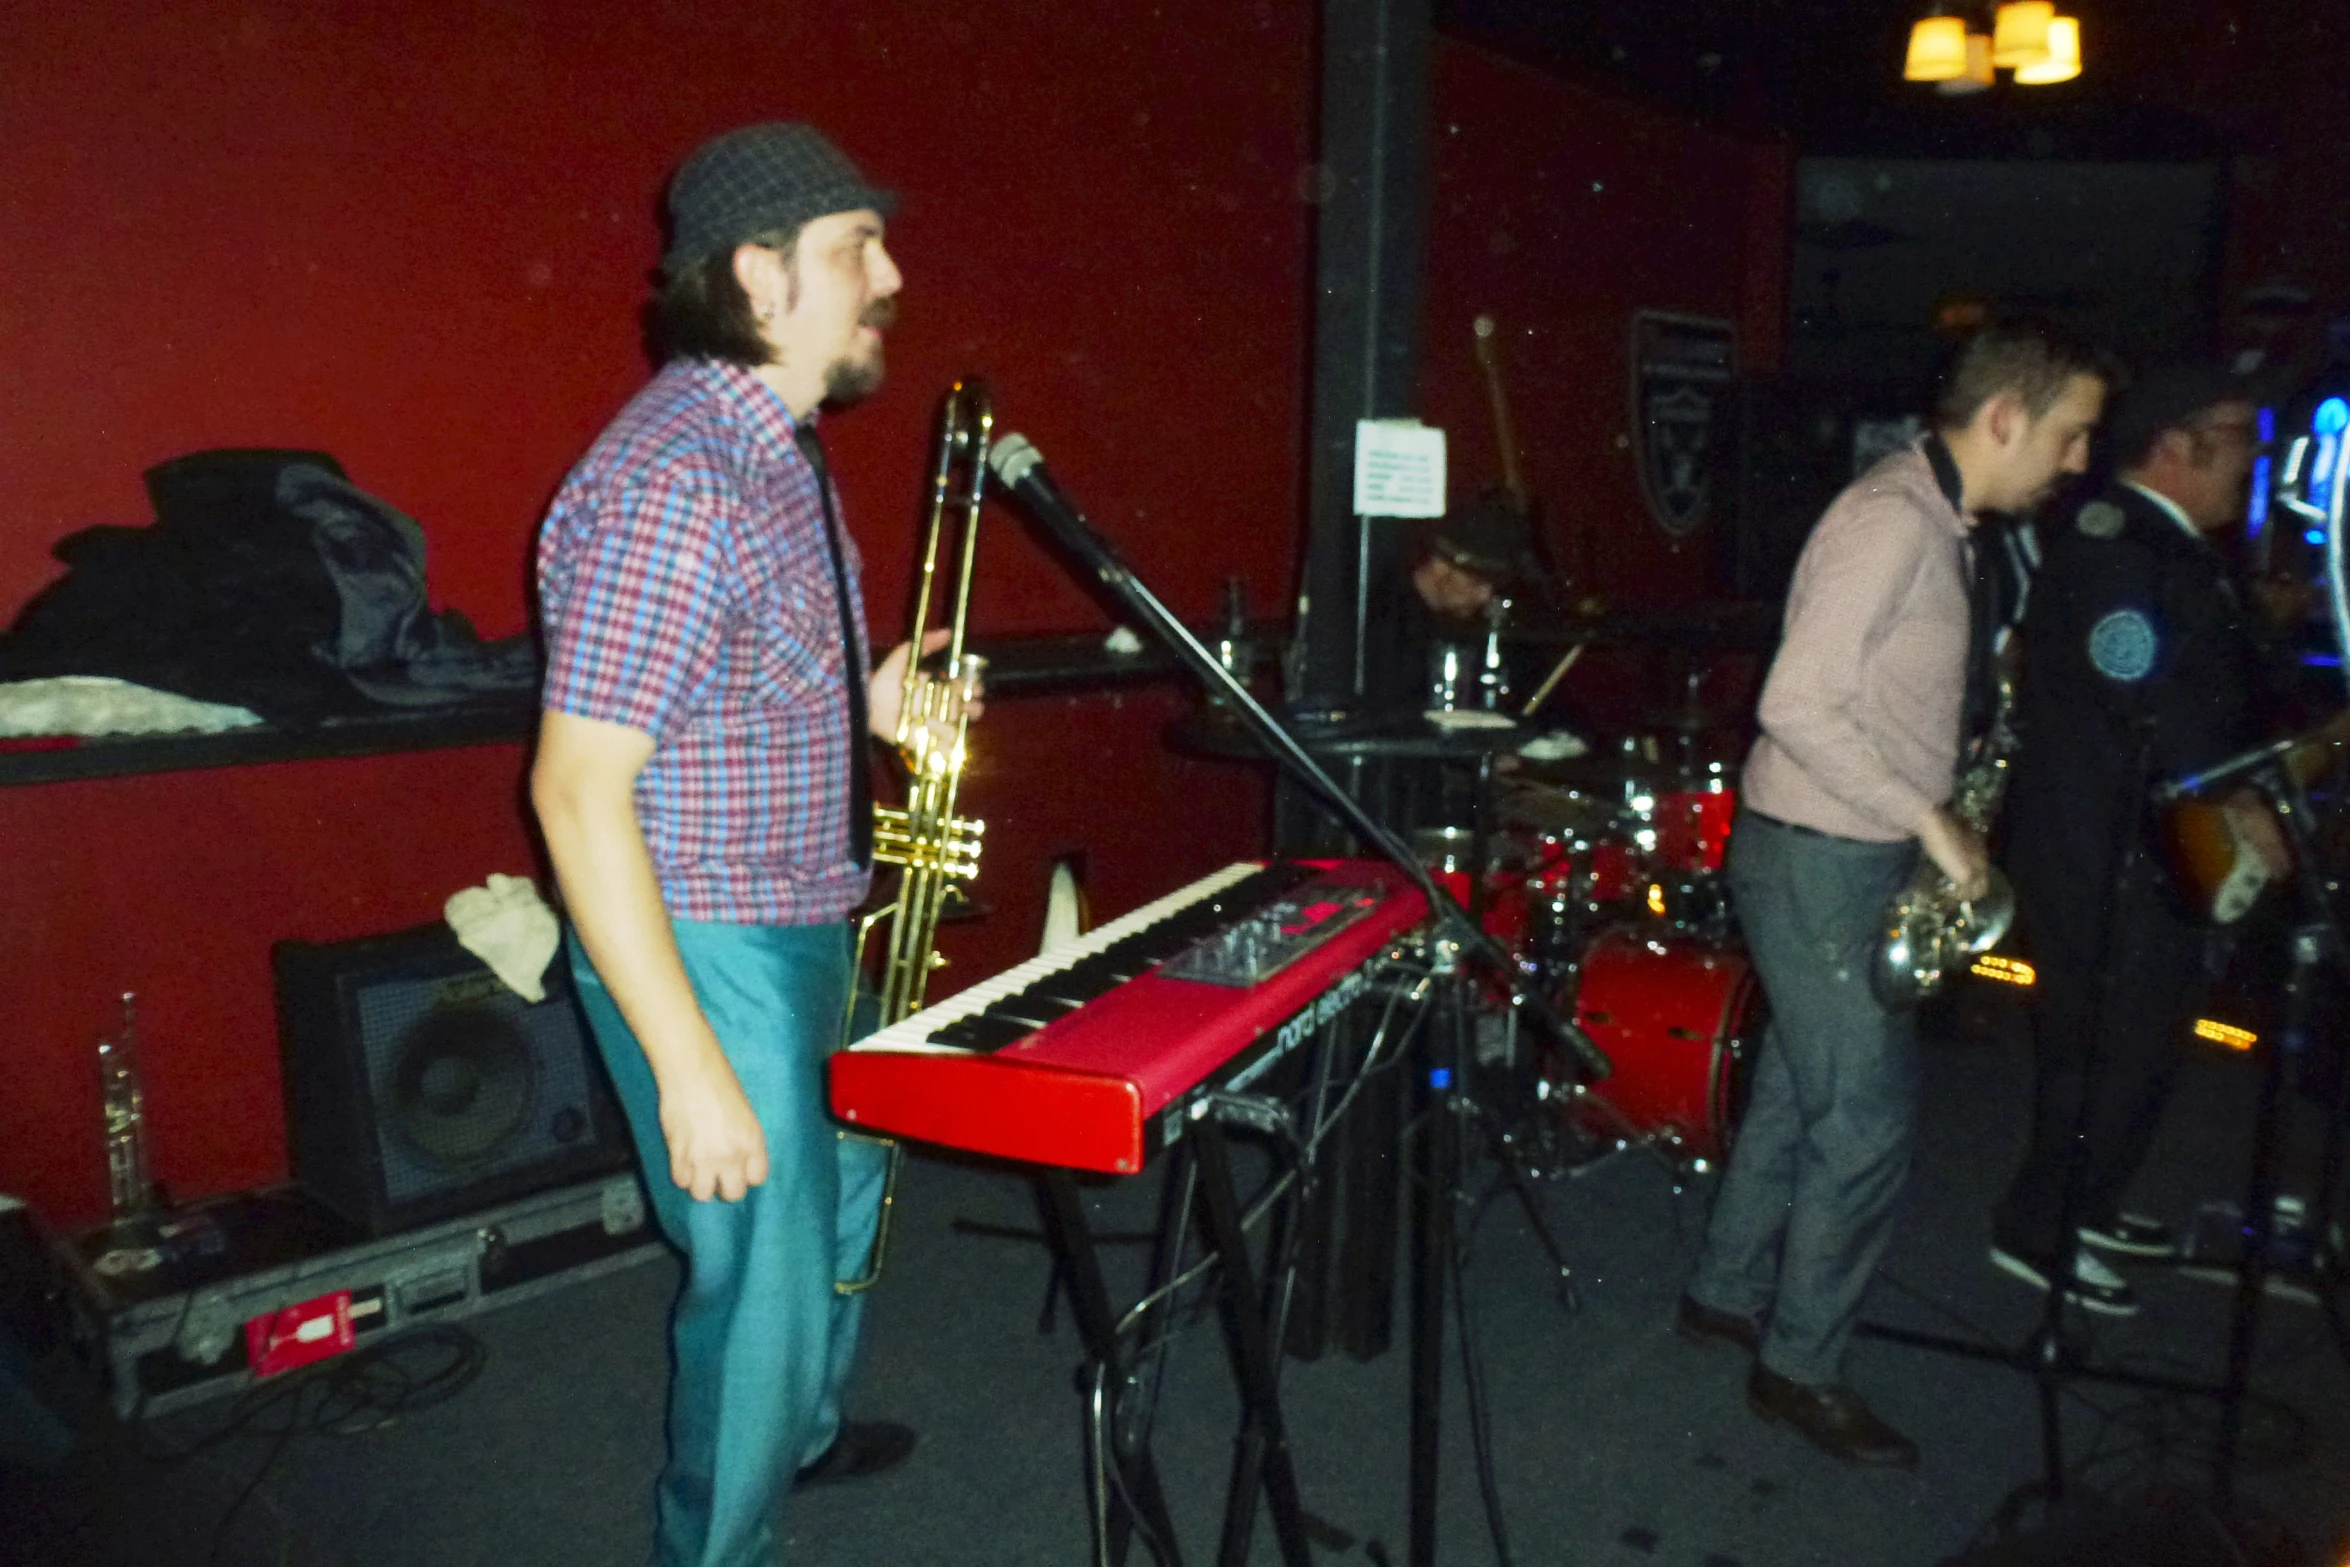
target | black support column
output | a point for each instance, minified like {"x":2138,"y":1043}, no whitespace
{"x":1372,"y":189}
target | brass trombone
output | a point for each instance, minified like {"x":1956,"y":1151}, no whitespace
{"x":935,"y":850}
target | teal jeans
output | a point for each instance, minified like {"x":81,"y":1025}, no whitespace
{"x":762,"y":1344}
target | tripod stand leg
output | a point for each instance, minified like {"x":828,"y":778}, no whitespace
{"x":1261,"y":1453}
{"x":2260,"y":1206}
{"x":1436,"y":1172}
{"x":1570,"y":1297}
{"x":1135,"y":1490}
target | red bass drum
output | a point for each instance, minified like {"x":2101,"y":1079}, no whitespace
{"x":1680,"y":1017}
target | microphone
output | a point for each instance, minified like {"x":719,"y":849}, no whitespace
{"x":1019,"y":467}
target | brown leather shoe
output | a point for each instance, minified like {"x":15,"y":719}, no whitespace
{"x":1697,"y":1323}
{"x":864,"y":1447}
{"x":1832,"y":1419}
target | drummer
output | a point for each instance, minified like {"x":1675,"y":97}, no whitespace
{"x":1453,"y":584}
{"x":1448,"y":582}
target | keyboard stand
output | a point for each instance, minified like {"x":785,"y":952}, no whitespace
{"x":1261,"y":1465}
{"x":1136,"y":1489}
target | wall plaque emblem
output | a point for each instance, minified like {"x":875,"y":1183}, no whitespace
{"x":1682,"y":367}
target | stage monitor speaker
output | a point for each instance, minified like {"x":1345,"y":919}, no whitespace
{"x":419,"y":1087}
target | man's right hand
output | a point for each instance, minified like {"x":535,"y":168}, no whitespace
{"x":1958,"y":850}
{"x":716,"y":1147}
{"x":583,"y":786}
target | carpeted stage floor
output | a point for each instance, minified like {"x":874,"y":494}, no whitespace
{"x":1615,"y":1443}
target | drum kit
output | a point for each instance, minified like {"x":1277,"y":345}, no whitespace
{"x":1603,"y":878}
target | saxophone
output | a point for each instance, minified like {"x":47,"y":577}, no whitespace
{"x":1928,"y":928}
{"x":936,"y":851}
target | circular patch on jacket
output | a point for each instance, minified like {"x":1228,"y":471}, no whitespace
{"x":2122,"y":645}
{"x":2101,"y":520}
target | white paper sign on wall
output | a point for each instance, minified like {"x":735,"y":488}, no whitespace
{"x":1399,"y":469}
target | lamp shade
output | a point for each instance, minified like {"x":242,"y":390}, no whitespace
{"x":1937,"y":50}
{"x":1977,"y":75}
{"x":2019,"y":34}
{"x":2064,"y":55}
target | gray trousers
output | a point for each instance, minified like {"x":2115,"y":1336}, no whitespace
{"x":1806,"y":1205}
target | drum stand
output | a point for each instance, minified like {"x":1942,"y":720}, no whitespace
{"x":1486,"y":1128}
{"x":2318,"y":940}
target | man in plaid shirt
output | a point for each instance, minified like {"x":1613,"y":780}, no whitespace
{"x":701,"y":782}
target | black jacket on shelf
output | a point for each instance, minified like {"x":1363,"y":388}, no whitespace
{"x":268,"y":581}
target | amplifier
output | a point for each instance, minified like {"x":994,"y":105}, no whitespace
{"x":160,"y":1311}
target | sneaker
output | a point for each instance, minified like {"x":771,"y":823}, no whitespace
{"x":2093,"y":1286}
{"x":2133,"y":1235}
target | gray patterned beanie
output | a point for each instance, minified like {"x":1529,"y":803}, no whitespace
{"x":757,"y":179}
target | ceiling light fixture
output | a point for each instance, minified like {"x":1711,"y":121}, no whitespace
{"x":2064,"y":55}
{"x":2019,"y":34}
{"x":1977,"y":74}
{"x":1937,"y":50}
{"x":2026,"y":37}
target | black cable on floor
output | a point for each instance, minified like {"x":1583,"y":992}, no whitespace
{"x":1480,"y":1410}
{"x":349,"y":1395}
{"x":2158,"y":1431}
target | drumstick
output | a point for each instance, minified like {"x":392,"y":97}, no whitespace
{"x":1551,"y":680}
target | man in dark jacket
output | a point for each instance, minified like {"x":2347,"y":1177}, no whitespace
{"x":2139,"y":663}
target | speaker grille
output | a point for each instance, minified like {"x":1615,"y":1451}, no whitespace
{"x":467,"y":1078}
{"x":418,"y":1086}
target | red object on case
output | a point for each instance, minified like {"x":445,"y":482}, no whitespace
{"x":297,"y":1335}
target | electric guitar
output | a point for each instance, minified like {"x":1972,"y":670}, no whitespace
{"x":1514,"y":492}
{"x":2209,"y":854}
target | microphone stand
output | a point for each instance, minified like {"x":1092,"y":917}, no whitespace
{"x":2050,"y":1355}
{"x":1458,"y":936}
{"x":1098,"y":556}
{"x":2318,"y":939}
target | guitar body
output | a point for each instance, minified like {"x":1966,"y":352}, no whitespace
{"x":2212,"y":864}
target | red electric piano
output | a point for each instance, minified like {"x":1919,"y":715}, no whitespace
{"x":1086,"y":1058}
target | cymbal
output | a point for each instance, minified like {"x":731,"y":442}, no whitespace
{"x":1547,"y":808}
{"x":1689,"y":720}
{"x":1448,"y":848}
{"x":1407,"y":734}
{"x":1606,"y":771}
{"x":1411,"y":735}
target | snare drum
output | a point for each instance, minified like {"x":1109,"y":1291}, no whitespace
{"x":1447,"y":853}
{"x":1577,"y":889}
{"x":1687,"y":826}
{"x":1680,"y":1018}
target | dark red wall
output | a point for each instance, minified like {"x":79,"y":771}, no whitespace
{"x":416,"y":234}
{"x":1561,"y":210}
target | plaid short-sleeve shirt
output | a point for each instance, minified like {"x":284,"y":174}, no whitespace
{"x":687,"y":592}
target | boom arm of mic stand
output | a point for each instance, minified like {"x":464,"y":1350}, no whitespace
{"x":1115,"y":575}
{"x":2222,"y":772}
